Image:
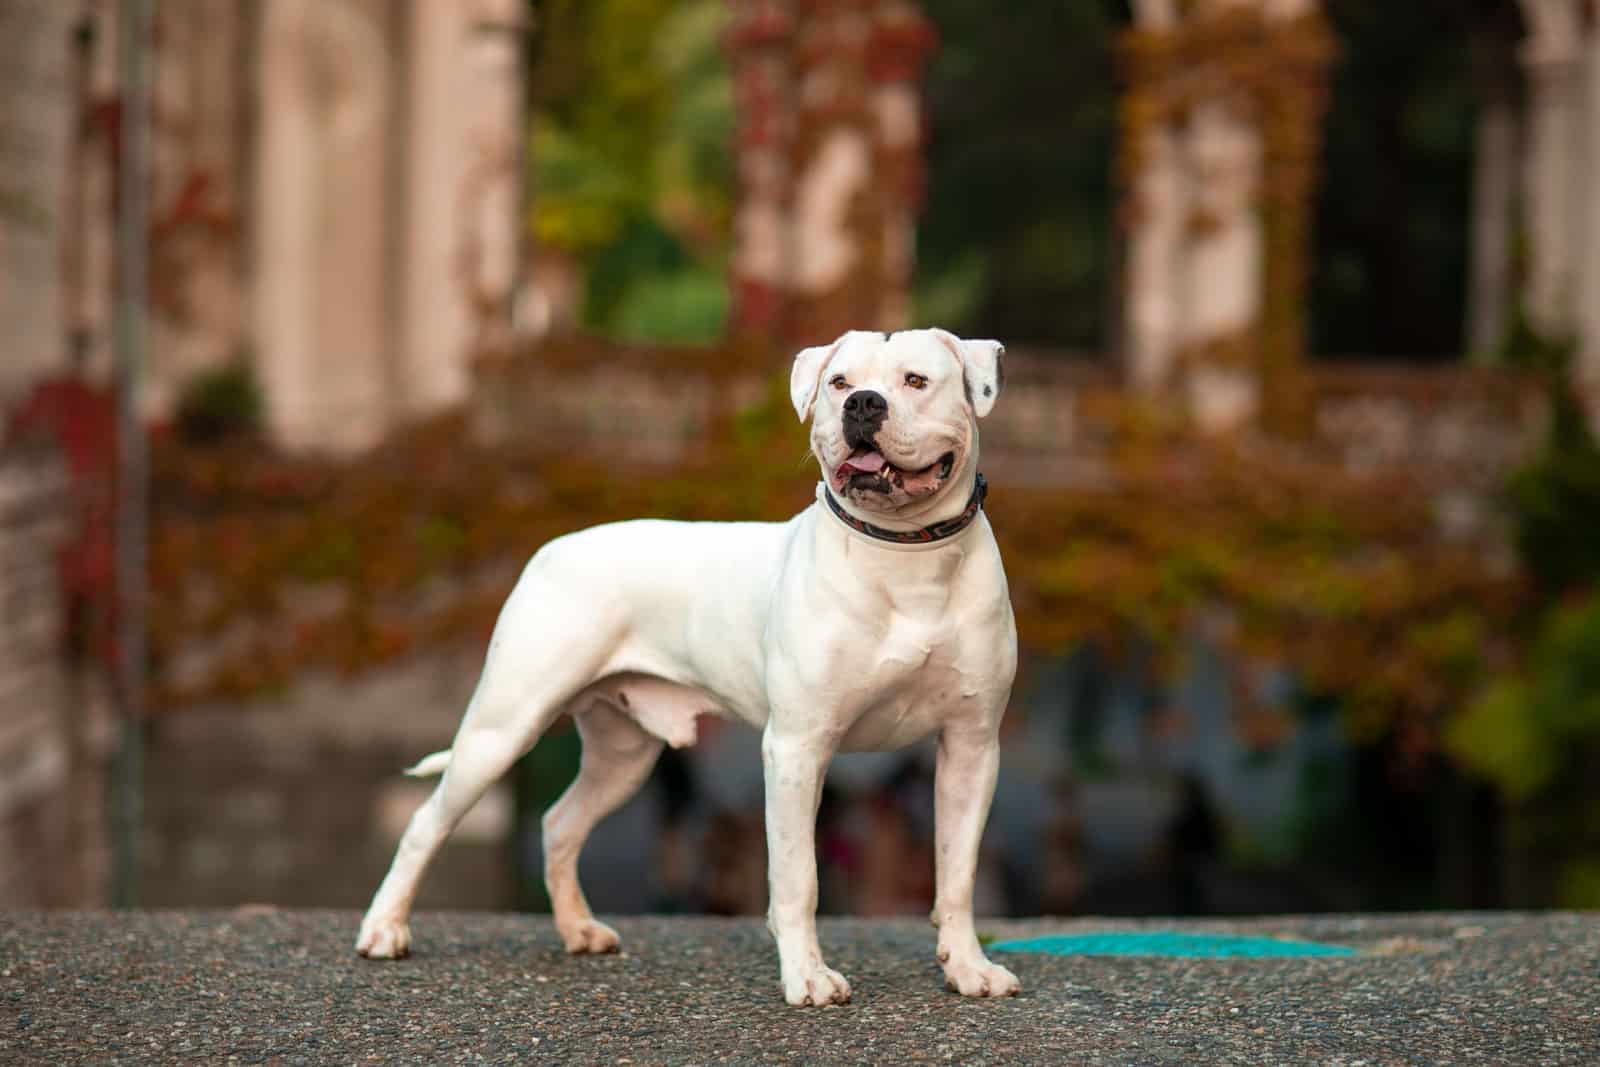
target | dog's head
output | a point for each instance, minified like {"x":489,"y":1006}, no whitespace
{"x":894,"y":418}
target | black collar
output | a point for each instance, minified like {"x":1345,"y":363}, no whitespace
{"x":939,"y":531}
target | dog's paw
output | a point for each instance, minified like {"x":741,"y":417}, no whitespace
{"x":815,"y":987}
{"x":383,"y":939}
{"x":980,"y":978}
{"x":590,"y":937}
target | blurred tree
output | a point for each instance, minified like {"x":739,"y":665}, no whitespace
{"x":633,"y":112}
{"x":1392,"y":226}
{"x":633,"y":120}
{"x":1016,"y":241}
{"x":1534,"y":732}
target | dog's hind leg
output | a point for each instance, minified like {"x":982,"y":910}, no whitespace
{"x":532,"y":670}
{"x":617,"y":757}
{"x":477,"y":760}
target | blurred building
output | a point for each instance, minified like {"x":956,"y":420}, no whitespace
{"x":337,"y":207}
{"x":1221,"y":137}
{"x":335,"y":188}
{"x":55,"y":740}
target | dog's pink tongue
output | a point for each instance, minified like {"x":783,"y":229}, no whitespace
{"x":865,"y":462}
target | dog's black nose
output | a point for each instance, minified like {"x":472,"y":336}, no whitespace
{"x":866,"y":405}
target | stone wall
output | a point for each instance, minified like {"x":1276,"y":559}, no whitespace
{"x":53,"y":737}
{"x":273,"y":779}
{"x":34,"y":123}
{"x":1452,"y":430}
{"x":333,"y":192}
{"x":295,"y":798}
{"x":387,"y":171}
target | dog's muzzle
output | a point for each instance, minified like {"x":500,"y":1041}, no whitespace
{"x":864,"y":412}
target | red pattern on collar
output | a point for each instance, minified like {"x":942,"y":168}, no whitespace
{"x":939,"y":531}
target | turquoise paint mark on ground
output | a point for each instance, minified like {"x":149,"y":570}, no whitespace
{"x":1203,"y":946}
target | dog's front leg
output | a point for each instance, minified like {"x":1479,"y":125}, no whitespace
{"x":794,"y":765}
{"x":969,"y":762}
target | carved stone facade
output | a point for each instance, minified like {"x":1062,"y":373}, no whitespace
{"x":387,"y":192}
{"x":829,"y":163}
{"x":1216,"y":208}
{"x":35,"y":73}
{"x":334,"y":194}
{"x":1538,"y":150}
{"x":1560,"y":57}
{"x":1536,"y":188}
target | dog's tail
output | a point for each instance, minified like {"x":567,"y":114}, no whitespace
{"x":430,"y":765}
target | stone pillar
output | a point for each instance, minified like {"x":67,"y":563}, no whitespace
{"x":838,"y":213}
{"x":89,"y":258}
{"x":829,"y":162}
{"x":758,"y":44}
{"x":1220,"y":132}
{"x":1222,"y":276}
{"x":1494,"y":195}
{"x":199,"y":115}
{"x":323,"y":213}
{"x":1224,"y":332}
{"x":35,"y":120}
{"x":463,"y":192}
{"x":1552,"y":59}
{"x":1156,"y":203}
{"x":901,"y":44}
{"x":1587,"y":371}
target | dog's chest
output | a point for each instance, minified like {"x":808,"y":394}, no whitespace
{"x":920,"y":677}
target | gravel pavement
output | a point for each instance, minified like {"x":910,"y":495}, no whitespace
{"x":286,"y":987}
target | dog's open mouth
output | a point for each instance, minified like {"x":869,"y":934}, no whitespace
{"x":868,"y":471}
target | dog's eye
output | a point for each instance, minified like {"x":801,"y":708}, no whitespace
{"x":916,"y":381}
{"x":838,"y":382}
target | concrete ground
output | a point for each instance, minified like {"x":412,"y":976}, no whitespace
{"x":286,"y":987}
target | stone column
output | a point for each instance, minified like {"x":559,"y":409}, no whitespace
{"x":1552,"y":59}
{"x":321,"y":263}
{"x":1220,"y":290}
{"x":35,"y":119}
{"x":758,"y":43}
{"x":88,"y":264}
{"x":1494,"y":195}
{"x":901,"y":44}
{"x":198,"y":109}
{"x":463,"y":193}
{"x":1587,"y":371}
{"x":838,"y":207}
{"x":1222,"y":277}
{"x":1220,"y":145}
{"x":1156,"y":203}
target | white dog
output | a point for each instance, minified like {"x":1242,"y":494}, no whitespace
{"x":877,"y":616}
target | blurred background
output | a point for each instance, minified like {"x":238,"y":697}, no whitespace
{"x":319,"y":316}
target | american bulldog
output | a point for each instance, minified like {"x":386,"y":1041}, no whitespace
{"x":877,"y":616}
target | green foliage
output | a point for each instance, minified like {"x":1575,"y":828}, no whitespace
{"x":1534,"y":732}
{"x":1580,"y":885}
{"x":631,"y":166}
{"x":220,"y":404}
{"x":1392,"y":212}
{"x":1015,"y":240}
{"x":1555,"y":499}
{"x":583,"y":200}
{"x":1532,"y":728}
{"x":1497,"y":739}
{"x":680,"y":308}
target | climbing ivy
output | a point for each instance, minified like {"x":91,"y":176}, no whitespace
{"x":1339,"y":575}
{"x":1276,"y":70}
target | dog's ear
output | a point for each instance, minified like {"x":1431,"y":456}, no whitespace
{"x":982,"y":366}
{"x":806,"y":377}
